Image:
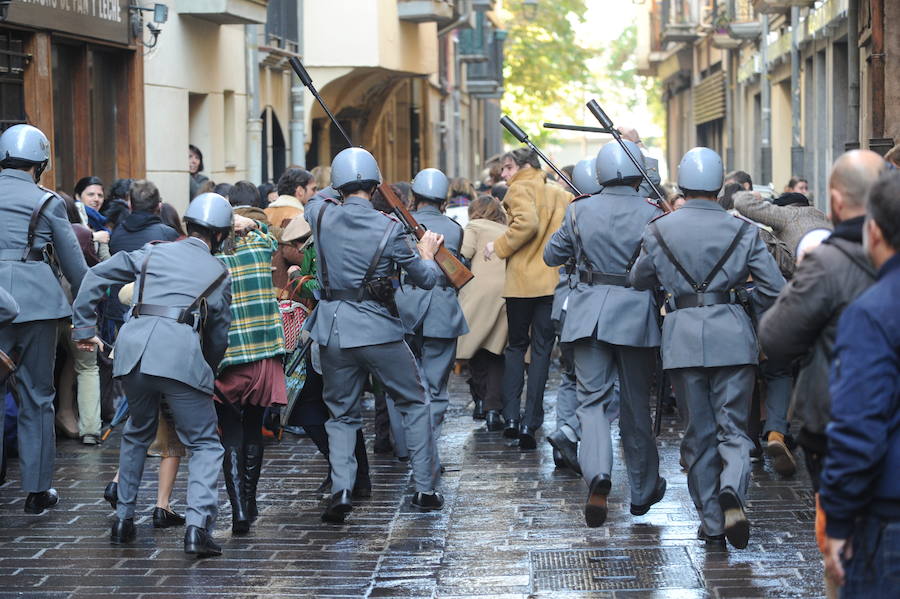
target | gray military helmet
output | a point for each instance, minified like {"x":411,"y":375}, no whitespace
{"x":584,"y":176}
{"x":613,"y":165}
{"x":701,"y":169}
{"x":432,"y":184}
{"x":210,"y":210}
{"x":24,"y":142}
{"x":354,"y":165}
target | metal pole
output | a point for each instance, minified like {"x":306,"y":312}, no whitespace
{"x":796,"y":143}
{"x":254,"y":122}
{"x":517,"y":132}
{"x":298,"y":107}
{"x":852,"y":142}
{"x":765,"y":165}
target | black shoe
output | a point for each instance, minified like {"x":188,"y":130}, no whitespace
{"x":339,"y":506}
{"x":737,"y":527}
{"x":526,"y":438}
{"x":234,"y":469}
{"x":658,"y":493}
{"x":568,"y":451}
{"x":478,"y":410}
{"x":111,"y":494}
{"x":493,"y":421}
{"x":198,"y":541}
{"x":558,"y":460}
{"x":163,"y":518}
{"x":511,"y":430}
{"x":122,"y":532}
{"x":253,"y":457}
{"x":36,"y":503}
{"x":595,"y":508}
{"x":428,"y":501}
{"x":710,"y":539}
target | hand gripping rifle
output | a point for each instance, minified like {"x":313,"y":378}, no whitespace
{"x":607,"y":124}
{"x":457,"y":274}
{"x":517,"y":132}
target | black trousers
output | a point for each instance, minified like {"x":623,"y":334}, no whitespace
{"x":486,"y":370}
{"x":529,"y":326}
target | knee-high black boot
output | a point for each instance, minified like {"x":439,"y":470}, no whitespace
{"x":319,"y":436}
{"x":362,"y":487}
{"x":234,"y":465}
{"x":253,"y":457}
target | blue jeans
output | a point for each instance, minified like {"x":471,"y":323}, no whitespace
{"x":874,"y":570}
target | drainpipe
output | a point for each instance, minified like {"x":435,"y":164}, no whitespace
{"x":766,"y":101}
{"x":731,"y":61}
{"x":456,"y":134}
{"x":254,"y":123}
{"x":878,"y":143}
{"x":852,"y":142}
{"x":796,"y":145}
{"x":298,"y":109}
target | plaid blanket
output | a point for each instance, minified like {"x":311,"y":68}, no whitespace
{"x":255,"y":332}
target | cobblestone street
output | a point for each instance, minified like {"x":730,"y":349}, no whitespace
{"x":512,"y":528}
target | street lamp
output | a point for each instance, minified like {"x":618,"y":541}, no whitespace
{"x":160,"y":16}
{"x":529,"y":9}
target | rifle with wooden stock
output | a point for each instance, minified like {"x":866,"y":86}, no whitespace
{"x":455,"y":271}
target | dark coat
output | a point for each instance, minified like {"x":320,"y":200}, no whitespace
{"x":139,"y":229}
{"x":801,"y":325}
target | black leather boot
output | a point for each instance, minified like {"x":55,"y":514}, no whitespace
{"x":253,"y":457}
{"x":362,"y":487}
{"x":232,"y":466}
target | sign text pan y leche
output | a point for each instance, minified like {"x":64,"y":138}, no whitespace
{"x":100,"y":19}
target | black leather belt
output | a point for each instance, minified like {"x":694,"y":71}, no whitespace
{"x":34,"y":255}
{"x":177,"y":314}
{"x":348,"y":295}
{"x":591,"y":277}
{"x":700,"y":300}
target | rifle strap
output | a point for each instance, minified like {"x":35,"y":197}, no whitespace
{"x":32,"y":223}
{"x":375,"y":259}
{"x":323,"y":267}
{"x":579,"y":246}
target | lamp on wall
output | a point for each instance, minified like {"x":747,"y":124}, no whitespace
{"x":529,"y":9}
{"x":4,"y":9}
{"x":160,"y":16}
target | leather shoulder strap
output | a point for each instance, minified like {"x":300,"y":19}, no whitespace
{"x":32,"y":223}
{"x":579,"y":246}
{"x":376,"y":258}
{"x":715,"y":269}
{"x":323,"y":268}
{"x":668,"y":252}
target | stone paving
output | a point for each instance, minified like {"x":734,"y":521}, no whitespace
{"x":512,"y":528}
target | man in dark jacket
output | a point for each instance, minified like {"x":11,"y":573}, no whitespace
{"x":802,"y":323}
{"x":143,"y":225}
{"x":860,"y":489}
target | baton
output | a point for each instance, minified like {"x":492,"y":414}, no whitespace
{"x":517,"y":132}
{"x":607,"y":123}
{"x":306,"y":80}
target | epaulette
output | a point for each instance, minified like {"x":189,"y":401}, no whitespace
{"x":50,"y":191}
{"x":656,"y":218}
{"x":581,"y":197}
{"x":392,"y":217}
{"x":653,"y":203}
{"x":743,"y":218}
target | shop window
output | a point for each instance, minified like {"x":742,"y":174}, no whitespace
{"x":12,"y":79}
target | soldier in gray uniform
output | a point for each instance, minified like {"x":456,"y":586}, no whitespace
{"x":171,"y":346}
{"x":651,"y":165}
{"x":703,"y":257}
{"x":433,"y":317}
{"x":614,"y":330}
{"x":568,"y":429}
{"x":357,"y":328}
{"x":36,"y":241}
{"x":9,"y":309}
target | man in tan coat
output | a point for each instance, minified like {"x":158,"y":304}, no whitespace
{"x":535,"y":210}
{"x":295,"y":187}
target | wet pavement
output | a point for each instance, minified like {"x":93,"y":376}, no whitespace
{"x":512,"y":527}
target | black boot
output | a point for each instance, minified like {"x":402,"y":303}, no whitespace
{"x":362,"y":487}
{"x":233,"y":468}
{"x":253,"y":457}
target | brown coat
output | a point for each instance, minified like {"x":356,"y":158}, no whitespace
{"x":282,"y":211}
{"x":482,"y":299}
{"x":535,"y":210}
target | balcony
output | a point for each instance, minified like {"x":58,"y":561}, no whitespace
{"x":425,"y":11}
{"x":485,"y":79}
{"x":679,"y":22}
{"x":779,"y":6}
{"x":680,"y":32}
{"x":225,"y":12}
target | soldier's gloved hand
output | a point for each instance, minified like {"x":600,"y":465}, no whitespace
{"x":429,"y":245}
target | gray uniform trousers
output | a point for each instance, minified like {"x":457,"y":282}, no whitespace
{"x":596,"y":366}
{"x":716,"y":446}
{"x":195,"y":421}
{"x":35,"y":344}
{"x":344,"y":374}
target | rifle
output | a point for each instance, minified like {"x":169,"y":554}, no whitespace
{"x":607,"y":124}
{"x":517,"y":132}
{"x":457,"y":274}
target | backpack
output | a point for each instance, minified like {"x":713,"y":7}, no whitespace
{"x":784,"y":257}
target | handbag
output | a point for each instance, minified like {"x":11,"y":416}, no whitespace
{"x":293,"y":314}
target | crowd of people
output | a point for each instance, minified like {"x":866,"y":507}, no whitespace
{"x":274,"y":308}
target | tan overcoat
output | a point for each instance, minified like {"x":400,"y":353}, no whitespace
{"x":482,"y":299}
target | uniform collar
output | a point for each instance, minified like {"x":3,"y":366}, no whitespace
{"x":429,"y":208}
{"x":195,"y":241}
{"x":621,"y":190}
{"x":17,"y":174}
{"x":358,"y":201}
{"x":703,"y":205}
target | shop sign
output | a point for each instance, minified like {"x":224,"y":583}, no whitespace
{"x":100,"y":19}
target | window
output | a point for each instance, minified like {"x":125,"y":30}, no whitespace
{"x":12,"y":79}
{"x":282,"y":25}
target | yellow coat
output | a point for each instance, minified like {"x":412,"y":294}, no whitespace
{"x":535,"y":210}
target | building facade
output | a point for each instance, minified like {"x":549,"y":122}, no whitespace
{"x":778,"y":87}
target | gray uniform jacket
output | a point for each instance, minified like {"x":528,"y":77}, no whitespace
{"x":698,"y":235}
{"x":9,"y":309}
{"x":651,"y":165}
{"x":610,"y":225}
{"x":33,"y":284}
{"x":351,"y":234}
{"x":560,"y":294}
{"x":178,"y":272}
{"x":436,"y":310}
